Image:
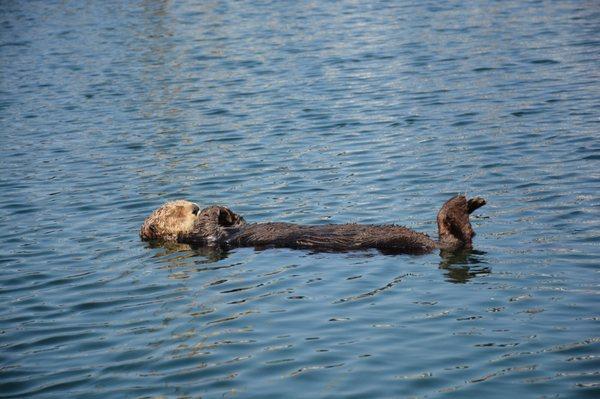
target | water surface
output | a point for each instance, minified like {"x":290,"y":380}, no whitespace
{"x":306,"y":112}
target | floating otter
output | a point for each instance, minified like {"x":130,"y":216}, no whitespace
{"x":219,"y":227}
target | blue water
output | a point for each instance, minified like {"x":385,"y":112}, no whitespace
{"x":305,"y":112}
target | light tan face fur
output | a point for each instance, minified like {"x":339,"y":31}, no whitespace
{"x":170,"y":220}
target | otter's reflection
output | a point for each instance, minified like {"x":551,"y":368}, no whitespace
{"x":458,"y":266}
{"x":174,"y":252}
{"x":461,"y":266}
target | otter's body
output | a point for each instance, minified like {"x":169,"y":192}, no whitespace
{"x":218,"y":226}
{"x":332,"y":237}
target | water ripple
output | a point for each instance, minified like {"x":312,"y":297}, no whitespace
{"x":325,"y":112}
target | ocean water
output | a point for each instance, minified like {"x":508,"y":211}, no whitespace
{"x":306,"y":112}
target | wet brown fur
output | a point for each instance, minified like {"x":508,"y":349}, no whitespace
{"x":218,"y":226}
{"x":170,"y":220}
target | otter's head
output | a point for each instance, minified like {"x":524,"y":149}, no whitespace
{"x":454,"y":228}
{"x":170,"y":220}
{"x":184,"y":222}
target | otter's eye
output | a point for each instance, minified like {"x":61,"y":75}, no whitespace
{"x":195,"y":210}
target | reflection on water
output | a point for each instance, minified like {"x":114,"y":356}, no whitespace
{"x":461,"y":266}
{"x":458,"y":266}
{"x":172,"y":249}
{"x":319,"y":112}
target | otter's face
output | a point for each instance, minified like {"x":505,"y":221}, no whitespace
{"x":170,"y":221}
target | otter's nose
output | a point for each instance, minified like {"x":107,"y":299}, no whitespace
{"x":195,"y":209}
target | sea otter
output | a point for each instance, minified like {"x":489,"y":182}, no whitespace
{"x":219,"y":227}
